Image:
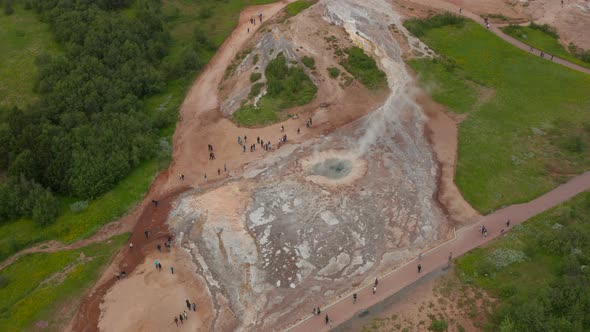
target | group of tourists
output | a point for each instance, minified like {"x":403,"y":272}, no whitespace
{"x":253,"y":20}
{"x":184,"y":315}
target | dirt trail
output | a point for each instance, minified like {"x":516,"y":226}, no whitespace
{"x":454,"y":8}
{"x":125,"y":224}
{"x":466,"y":239}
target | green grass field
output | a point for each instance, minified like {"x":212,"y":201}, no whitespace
{"x":22,"y":38}
{"x":536,"y":271}
{"x":36,"y":286}
{"x":527,"y":125}
{"x":298,"y":6}
{"x":542,"y":41}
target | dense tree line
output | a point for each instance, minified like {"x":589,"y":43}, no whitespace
{"x":89,"y":128}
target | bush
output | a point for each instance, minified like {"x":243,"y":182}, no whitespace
{"x":23,"y":198}
{"x":574,"y":144}
{"x":4,"y":281}
{"x":46,"y":209}
{"x":255,"y":89}
{"x":309,"y":62}
{"x":255,"y":77}
{"x":364,"y":68}
{"x":290,"y":85}
{"x":8,"y":10}
{"x":579,"y":52}
{"x":298,"y":6}
{"x":438,"y":325}
{"x":418,"y":27}
{"x":334,"y":72}
{"x":255,"y":59}
{"x":503,"y":257}
{"x":546,"y":28}
{"x":79,"y":206}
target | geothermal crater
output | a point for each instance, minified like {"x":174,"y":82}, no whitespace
{"x":333,"y":168}
{"x":311,"y":219}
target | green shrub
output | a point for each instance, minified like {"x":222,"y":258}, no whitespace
{"x":286,"y":87}
{"x":255,"y":77}
{"x":250,"y":116}
{"x":438,"y":325}
{"x":296,"y":7}
{"x":334,"y":72}
{"x":309,"y":62}
{"x":546,"y":28}
{"x":255,"y":89}
{"x":255,"y":59}
{"x":418,"y":27}
{"x":79,"y":206}
{"x":363,"y":68}
{"x":290,"y":85}
{"x":8,"y":10}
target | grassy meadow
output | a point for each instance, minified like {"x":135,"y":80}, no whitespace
{"x":544,"y":41}
{"x":22,"y":38}
{"x":46,"y":286}
{"x":526,"y":126}
{"x":298,"y":6}
{"x":538,"y":271}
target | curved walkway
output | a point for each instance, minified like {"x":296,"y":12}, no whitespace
{"x":450,"y":7}
{"x":466,"y":239}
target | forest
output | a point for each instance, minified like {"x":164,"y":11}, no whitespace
{"x":89,"y":128}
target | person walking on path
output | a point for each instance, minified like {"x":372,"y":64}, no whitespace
{"x":507,"y":223}
{"x":159,"y":266}
{"x":181,"y":319}
{"x":376,"y":282}
{"x":185,"y":315}
{"x":159,"y":247}
{"x":354,"y":298}
{"x":130,"y":245}
{"x":118,"y":275}
{"x":172,"y":269}
{"x":327,"y":319}
{"x":374,"y":289}
{"x":194,"y":306}
{"x":176,"y":320}
{"x":419,"y":268}
{"x":319,"y":311}
{"x":188,"y":304}
{"x":315,"y":311}
{"x":147,"y":233}
{"x":156,"y":263}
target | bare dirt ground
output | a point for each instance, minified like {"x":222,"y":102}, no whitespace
{"x":438,"y":296}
